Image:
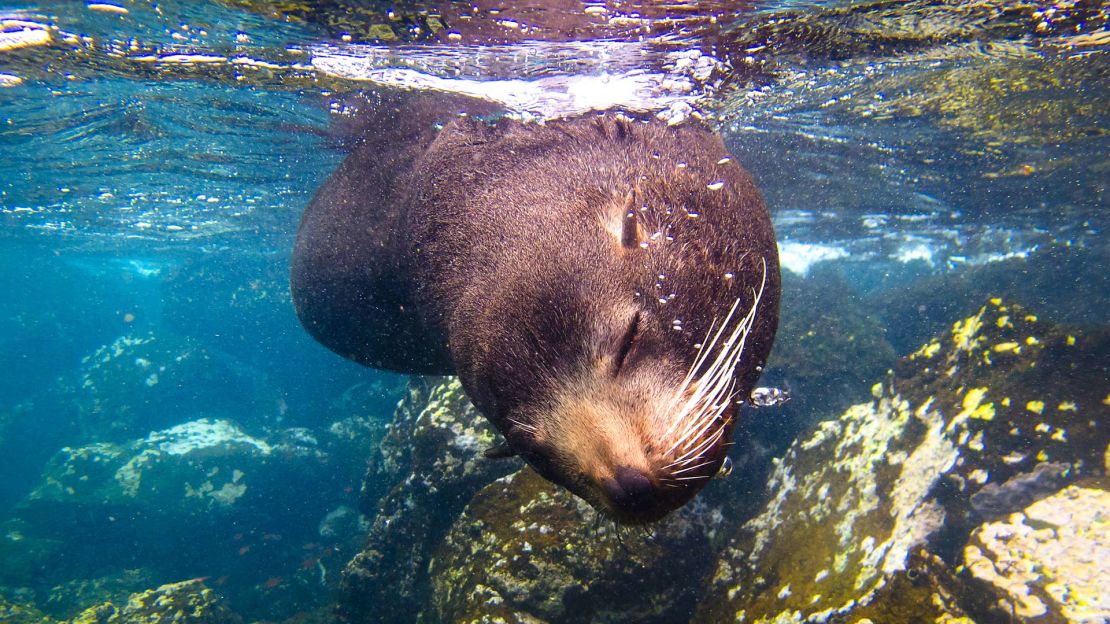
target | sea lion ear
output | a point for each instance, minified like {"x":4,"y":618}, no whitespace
{"x":630,"y":232}
{"x":619,"y":219}
{"x":501,"y":451}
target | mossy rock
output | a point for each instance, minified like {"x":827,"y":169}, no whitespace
{"x":526,"y":550}
{"x":187,"y":602}
{"x":73,"y":597}
{"x":15,"y":612}
{"x":870,"y":512}
{"x":432,"y":454}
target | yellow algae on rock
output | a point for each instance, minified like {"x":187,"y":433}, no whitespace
{"x":927,"y":350}
{"x":186,"y":601}
{"x":973,"y":407}
{"x":964,"y":332}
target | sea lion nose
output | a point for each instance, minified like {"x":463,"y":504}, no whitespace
{"x":630,"y":490}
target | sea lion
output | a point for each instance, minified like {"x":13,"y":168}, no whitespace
{"x":606,"y":289}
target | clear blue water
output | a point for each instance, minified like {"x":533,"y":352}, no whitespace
{"x":145,"y":193}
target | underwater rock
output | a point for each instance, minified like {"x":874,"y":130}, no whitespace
{"x":179,"y":495}
{"x":24,"y":556}
{"x":888,"y":27}
{"x":140,"y":383}
{"x":451,"y":541}
{"x":528,"y":551}
{"x":69,"y":599}
{"x":15,"y":612}
{"x":187,"y":602}
{"x":193,"y":467}
{"x":869,"y":513}
{"x":1049,"y":562}
{"x":268,"y":516}
{"x":433,"y":456}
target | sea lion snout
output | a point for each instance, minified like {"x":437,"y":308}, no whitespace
{"x":631,"y":492}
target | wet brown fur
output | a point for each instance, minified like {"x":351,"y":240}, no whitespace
{"x":516,"y":256}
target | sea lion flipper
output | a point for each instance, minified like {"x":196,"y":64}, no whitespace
{"x":501,"y":451}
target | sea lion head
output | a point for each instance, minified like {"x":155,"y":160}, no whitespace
{"x":614,"y":354}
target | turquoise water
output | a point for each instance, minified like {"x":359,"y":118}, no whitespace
{"x":155,"y":159}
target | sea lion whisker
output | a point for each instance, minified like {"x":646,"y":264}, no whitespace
{"x":698,"y":412}
{"x":705,"y":445}
{"x":694,"y":467}
{"x":524,"y":426}
{"x":710,"y":412}
{"x":692,"y":438}
{"x":706,"y":348}
{"x":718,"y":379}
{"x":695,"y":477}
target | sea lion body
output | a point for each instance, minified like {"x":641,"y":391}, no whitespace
{"x":584,"y":278}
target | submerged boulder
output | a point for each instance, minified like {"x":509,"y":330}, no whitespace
{"x":201,"y":498}
{"x":433,"y":456}
{"x":16,"y":612}
{"x":871,"y":514}
{"x":527,"y":551}
{"x":192,"y":468}
{"x":889,"y":513}
{"x":187,"y":602}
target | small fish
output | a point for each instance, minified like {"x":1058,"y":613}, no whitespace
{"x":244,"y":550}
{"x":273,"y":582}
